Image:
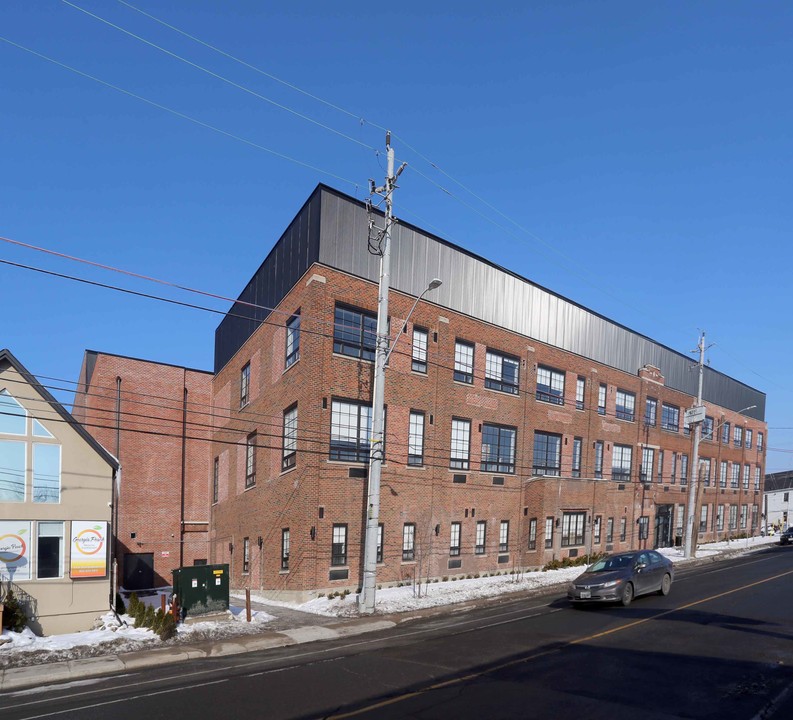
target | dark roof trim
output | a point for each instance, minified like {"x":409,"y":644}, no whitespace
{"x":8,"y":356}
{"x":95,"y":353}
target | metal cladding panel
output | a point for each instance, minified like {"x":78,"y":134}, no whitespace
{"x":292,"y":255}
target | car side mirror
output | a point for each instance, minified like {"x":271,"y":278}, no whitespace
{"x":641,"y":566}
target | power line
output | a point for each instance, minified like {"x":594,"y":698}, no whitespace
{"x":179,"y":114}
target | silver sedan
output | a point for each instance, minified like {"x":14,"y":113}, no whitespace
{"x":621,"y":577}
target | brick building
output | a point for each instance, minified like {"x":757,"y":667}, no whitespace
{"x":156,"y":419}
{"x":520,"y":427}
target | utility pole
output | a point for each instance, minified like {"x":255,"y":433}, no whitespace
{"x":691,"y":529}
{"x":366,"y":601}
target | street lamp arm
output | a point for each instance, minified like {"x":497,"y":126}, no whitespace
{"x":434,"y":283}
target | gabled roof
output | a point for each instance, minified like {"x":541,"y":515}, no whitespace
{"x":7,"y":356}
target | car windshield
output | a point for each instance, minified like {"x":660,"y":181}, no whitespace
{"x":616,"y":562}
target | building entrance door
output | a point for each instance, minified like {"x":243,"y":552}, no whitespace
{"x":663,"y":526}
{"x":138,"y":572}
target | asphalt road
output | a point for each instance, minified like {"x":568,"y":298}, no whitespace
{"x":719,"y":646}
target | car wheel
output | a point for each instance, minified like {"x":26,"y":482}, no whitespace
{"x":627,"y":594}
{"x":666,"y":585}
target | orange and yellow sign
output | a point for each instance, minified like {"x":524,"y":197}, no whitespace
{"x":89,"y":549}
{"x":14,"y":550}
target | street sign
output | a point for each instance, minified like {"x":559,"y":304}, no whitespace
{"x":694,"y":415}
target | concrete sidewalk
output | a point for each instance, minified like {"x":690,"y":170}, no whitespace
{"x":289,"y":627}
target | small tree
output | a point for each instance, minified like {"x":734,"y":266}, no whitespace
{"x":168,"y":627}
{"x":148,"y":616}
{"x":14,"y":617}
{"x":120,"y":607}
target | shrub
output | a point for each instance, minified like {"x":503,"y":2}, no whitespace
{"x":157,"y":623}
{"x":134,"y":601}
{"x":572,"y":562}
{"x":148,"y":616}
{"x":14,"y":617}
{"x":121,"y":608}
{"x":167,"y":627}
{"x":139,"y":613}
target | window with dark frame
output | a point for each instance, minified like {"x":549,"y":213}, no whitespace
{"x":503,"y":536}
{"x":703,"y":519}
{"x":498,"y":448}
{"x":723,"y":474}
{"x":380,"y":532}
{"x":621,"y":460}
{"x":454,"y":539}
{"x":577,"y":446}
{"x":502,"y":372}
{"x":245,"y":384}
{"x":246,"y":555}
{"x":250,"y":460}
{"x":610,"y":530}
{"x":550,"y":385}
{"x":683,"y":468}
{"x":650,"y":411}
{"x":660,"y":477}
{"x":293,"y":339}
{"x":736,"y":476}
{"x":748,"y":439}
{"x":580,"y":391}
{"x":648,"y":460}
{"x":338,"y":548}
{"x":285,"y":539}
{"x":725,"y":433}
{"x":461,"y":444}
{"x":416,"y":438}
{"x":623,"y":529}
{"x":760,"y":439}
{"x":602,"y":399}
{"x":707,"y":428}
{"x":419,"y":352}
{"x":598,"y":459}
{"x":573,"y":524}
{"x":548,"y":533}
{"x":625,"y":405}
{"x":49,"y":549}
{"x":289,"y":452}
{"x":644,"y":527}
{"x":670,"y":417}
{"x":350,"y":430}
{"x":354,"y":333}
{"x":533,"y":534}
{"x":408,"y":542}
{"x":481,"y":537}
{"x":215,"y":479}
{"x":737,"y":436}
{"x":547,"y":453}
{"x":463,"y":362}
{"x":596,"y":528}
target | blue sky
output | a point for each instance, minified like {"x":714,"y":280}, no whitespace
{"x":638,"y":155}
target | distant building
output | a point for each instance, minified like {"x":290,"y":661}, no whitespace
{"x":157,"y":419}
{"x":56,"y":488}
{"x":521,"y":427}
{"x":779,"y":498}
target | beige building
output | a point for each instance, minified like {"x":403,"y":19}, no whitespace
{"x":56,"y":493}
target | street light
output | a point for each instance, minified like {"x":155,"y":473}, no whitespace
{"x":367,"y":598}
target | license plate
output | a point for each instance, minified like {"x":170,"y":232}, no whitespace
{"x":585,"y":594}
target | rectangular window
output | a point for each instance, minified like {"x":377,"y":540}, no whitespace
{"x":419,"y":354}
{"x":461,"y":444}
{"x":246,"y":555}
{"x":720,"y":518}
{"x":285,"y":549}
{"x":736,"y":476}
{"x":338,"y":548}
{"x":683,"y":469}
{"x":481,"y":537}
{"x":707,"y":428}
{"x":760,"y":438}
{"x":577,"y":445}
{"x":498,"y":448}
{"x":704,"y":469}
{"x":503,"y":536}
{"x":757,"y":477}
{"x":744,"y":515}
{"x":733,"y":517}
{"x":416,"y":438}
{"x":755,"y":514}
{"x":380,"y":531}
{"x":245,"y":385}
{"x":623,"y":529}
{"x":550,"y":385}
{"x":408,"y":542}
{"x":670,"y":417}
{"x":621,"y":463}
{"x":746,"y":471}
{"x":533,"y":534}
{"x":673,"y":474}
{"x":46,"y":473}
{"x":725,"y":433}
{"x":502,"y":372}
{"x":547,"y":453}
{"x":602,"y":399}
{"x":289,"y":453}
{"x":598,"y":459}
{"x":215,"y":479}
{"x":293,"y":339}
{"x":464,"y":362}
{"x":626,"y":405}
{"x":650,"y":412}
{"x":644,"y":527}
{"x":573,"y":528}
{"x":354,"y":333}
{"x":737,"y":436}
{"x":596,"y":526}
{"x":723,"y":474}
{"x":548,"y":533}
{"x":748,"y":439}
{"x":580,"y":390}
{"x":648,"y":460}
{"x":350,"y":429}
{"x":610,"y":530}
{"x":660,"y":477}
{"x":13,"y":466}
{"x":49,"y":551}
{"x":454,"y":539}
{"x":703,"y":519}
{"x":250,"y":460}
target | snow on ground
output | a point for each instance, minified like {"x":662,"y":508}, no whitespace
{"x":112,"y":637}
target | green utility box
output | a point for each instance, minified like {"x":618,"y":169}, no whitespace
{"x":201,"y":589}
